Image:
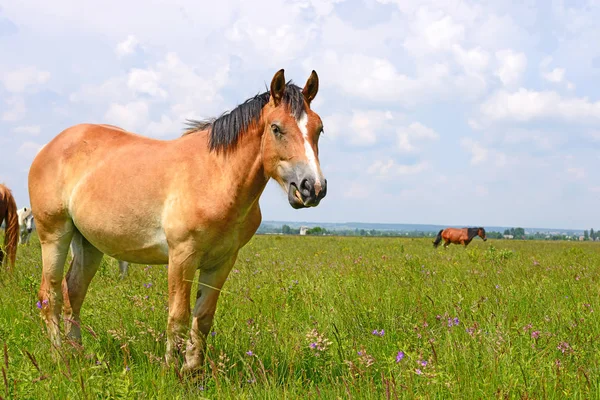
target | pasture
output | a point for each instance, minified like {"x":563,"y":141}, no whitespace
{"x":329,"y":317}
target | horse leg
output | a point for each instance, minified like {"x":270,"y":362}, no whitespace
{"x":123,"y":268}
{"x":446,"y":244}
{"x":183,"y":264}
{"x":55,"y":246}
{"x":209,"y":289}
{"x":85,"y":263}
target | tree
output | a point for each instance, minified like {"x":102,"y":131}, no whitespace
{"x":592,"y":234}
{"x":286,"y":230}
{"x":586,"y":235}
{"x":519,"y":233}
{"x":507,"y":232}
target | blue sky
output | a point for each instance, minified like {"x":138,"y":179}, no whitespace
{"x":448,"y":112}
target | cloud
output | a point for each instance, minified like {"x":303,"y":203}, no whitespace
{"x":131,"y":116}
{"x":389,"y":169}
{"x":361,"y":127}
{"x":16,"y":109}
{"x":127,"y":46}
{"x":512,"y":66}
{"x":166,"y":126}
{"x":556,"y":75}
{"x":433,"y":32}
{"x":22,"y":79}
{"x":479,"y":153}
{"x":526,"y":105}
{"x":145,"y":81}
{"x":32,"y":130}
{"x":29,"y":149}
{"x":409,"y":136}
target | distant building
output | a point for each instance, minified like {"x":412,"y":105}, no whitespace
{"x":303,"y":230}
{"x":508,"y":236}
{"x":581,"y":238}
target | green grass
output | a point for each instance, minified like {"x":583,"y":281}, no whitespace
{"x":527,"y":325}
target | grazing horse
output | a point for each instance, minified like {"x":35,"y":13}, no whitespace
{"x":458,"y":236}
{"x":192,"y":202}
{"x":8,"y":215}
{"x":26,"y":225}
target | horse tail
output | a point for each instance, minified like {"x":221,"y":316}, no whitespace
{"x":438,"y":239}
{"x":11,"y":233}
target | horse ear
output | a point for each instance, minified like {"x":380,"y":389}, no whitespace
{"x":278,"y":87}
{"x":311,"y":88}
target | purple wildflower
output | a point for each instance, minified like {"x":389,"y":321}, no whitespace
{"x":313,"y":345}
{"x":399,"y":356}
{"x":39,"y":305}
{"x":360,"y":353}
{"x":418,"y":371}
{"x":456,"y":321}
{"x":535,"y":334}
{"x":378,"y":333}
{"x":213,"y":333}
{"x":250,"y":353}
{"x":375,"y":332}
{"x":148,"y":285}
{"x":423,"y":363}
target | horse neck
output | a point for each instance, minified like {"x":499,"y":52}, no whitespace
{"x":242,"y":167}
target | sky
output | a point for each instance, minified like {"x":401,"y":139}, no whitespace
{"x":450,"y":112}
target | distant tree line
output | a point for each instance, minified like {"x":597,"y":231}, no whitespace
{"x":512,"y":233}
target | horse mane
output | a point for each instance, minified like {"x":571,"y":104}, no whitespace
{"x":472,"y":232}
{"x":11,"y":233}
{"x":226,"y":130}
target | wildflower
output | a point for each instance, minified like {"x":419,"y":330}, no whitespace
{"x":43,"y":303}
{"x":456,"y":321}
{"x":148,"y":285}
{"x":39,"y":305}
{"x":418,"y":371}
{"x":250,"y":353}
{"x":423,"y":363}
{"x":497,"y":286}
{"x":313,"y":345}
{"x":564,"y":347}
{"x":378,"y":333}
{"x":535,"y":334}
{"x":399,"y":356}
{"x":213,"y":333}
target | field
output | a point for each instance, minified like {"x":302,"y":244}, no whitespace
{"x":329,"y":317}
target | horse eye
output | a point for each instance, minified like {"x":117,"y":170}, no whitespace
{"x":275,"y":129}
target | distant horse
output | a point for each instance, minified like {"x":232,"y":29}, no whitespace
{"x":8,"y":214}
{"x":192,"y":202}
{"x":26,"y":225}
{"x":458,"y":236}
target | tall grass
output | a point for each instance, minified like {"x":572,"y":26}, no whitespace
{"x":328,"y":317}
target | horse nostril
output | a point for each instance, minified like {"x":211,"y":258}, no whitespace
{"x":305,"y":187}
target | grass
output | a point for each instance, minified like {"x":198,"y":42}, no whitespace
{"x":501,"y":319}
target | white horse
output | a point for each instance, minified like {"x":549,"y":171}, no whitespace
{"x":26,"y":224}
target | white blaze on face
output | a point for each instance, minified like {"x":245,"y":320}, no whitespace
{"x":308,"y":150}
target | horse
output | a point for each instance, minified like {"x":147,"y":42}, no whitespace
{"x":192,"y":202}
{"x":8,"y":215}
{"x":458,"y":236}
{"x":26,"y":225}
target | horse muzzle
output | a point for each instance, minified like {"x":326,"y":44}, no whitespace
{"x":308,"y":193}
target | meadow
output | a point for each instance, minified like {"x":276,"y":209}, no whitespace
{"x":330,"y":317}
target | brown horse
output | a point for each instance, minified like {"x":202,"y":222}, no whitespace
{"x":458,"y":236}
{"x":191,"y":202}
{"x":8,"y":214}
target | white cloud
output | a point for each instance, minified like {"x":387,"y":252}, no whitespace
{"x":526,"y":105}
{"x":512,"y":66}
{"x":32,"y":130}
{"x":556,"y":75}
{"x":389,"y":168}
{"x":131,"y":116}
{"x":29,"y":149}
{"x":16,"y":109}
{"x":481,"y":191}
{"x":166,"y":126}
{"x":479,"y":153}
{"x":433,"y":32}
{"x":127,"y":46}
{"x":408,"y":137}
{"x":145,"y":81}
{"x":361,"y":128}
{"x":19,"y":80}
{"x":475,"y":60}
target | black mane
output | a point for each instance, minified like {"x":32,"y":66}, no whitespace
{"x":225,"y":130}
{"x":472,"y":232}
